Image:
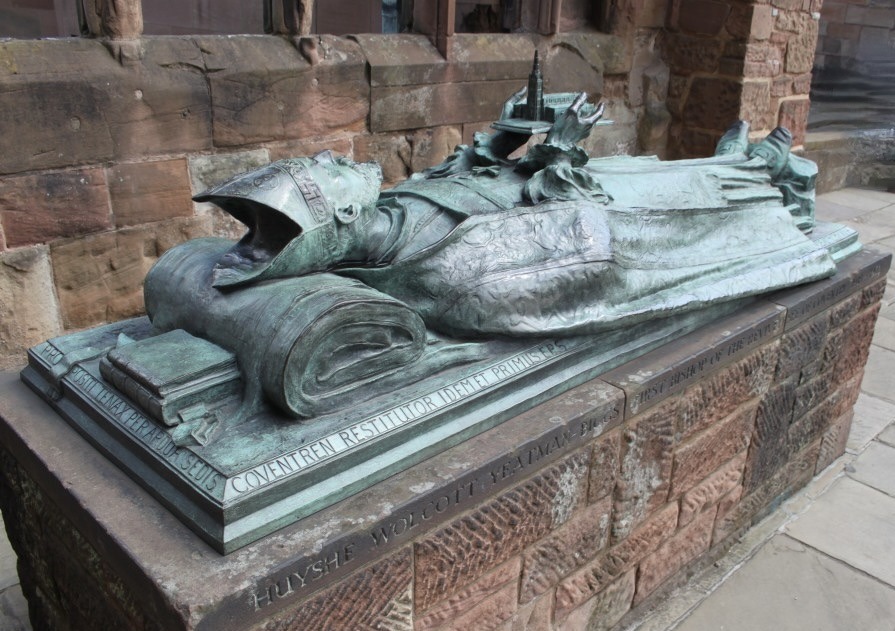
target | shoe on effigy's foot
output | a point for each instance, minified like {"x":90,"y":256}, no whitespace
{"x":734,"y":140}
{"x":774,"y":149}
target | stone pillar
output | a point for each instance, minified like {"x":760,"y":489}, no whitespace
{"x":120,"y":21}
{"x":733,"y":60}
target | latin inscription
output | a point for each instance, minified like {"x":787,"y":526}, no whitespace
{"x":50,"y":353}
{"x":681,"y":375}
{"x":414,"y":410}
{"x":432,"y":508}
{"x":196,"y":470}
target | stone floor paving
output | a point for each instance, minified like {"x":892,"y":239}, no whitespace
{"x":825,"y":560}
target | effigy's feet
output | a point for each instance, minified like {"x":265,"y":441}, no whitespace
{"x":734,"y":140}
{"x":774,"y":149}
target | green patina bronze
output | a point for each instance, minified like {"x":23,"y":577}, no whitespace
{"x":351,"y":325}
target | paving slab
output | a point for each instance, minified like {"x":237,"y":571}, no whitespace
{"x":856,"y":199}
{"x":876,"y":467}
{"x":873,"y":193}
{"x":888,"y":435}
{"x":788,"y":586}
{"x":853,"y":523}
{"x":884,"y":335}
{"x":828,"y":210}
{"x":878,"y":372}
{"x":872,"y":415}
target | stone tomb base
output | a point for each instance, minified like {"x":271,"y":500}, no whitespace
{"x":566,"y":516}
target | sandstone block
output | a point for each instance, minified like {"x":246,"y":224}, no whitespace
{"x":536,"y":615}
{"x":412,"y":107}
{"x":800,"y":50}
{"x":794,"y":116}
{"x":756,"y":104}
{"x":873,"y":293}
{"x":708,"y":451}
{"x":294,"y":148}
{"x":456,"y":555}
{"x":597,"y":575}
{"x":46,"y":206}
{"x":574,"y":65}
{"x":645,"y":468}
{"x":483,"y":593}
{"x":781,"y":86}
{"x":378,"y":597}
{"x":713,"y":103}
{"x":689,"y":54}
{"x":429,"y":147}
{"x":832,"y":443}
{"x":674,"y":554}
{"x":725,"y":506}
{"x":100,"y":278}
{"x":810,"y":394}
{"x":391,"y":151}
{"x":29,"y":313}
{"x":845,"y":310}
{"x":565,"y":550}
{"x":800,"y":347}
{"x":755,"y":504}
{"x":605,"y":609}
{"x":857,"y":335}
{"x":604,"y":466}
{"x":143,"y":192}
{"x":710,"y":491}
{"x":768,"y":448}
{"x":704,"y":17}
{"x":722,"y":392}
{"x":267,"y":91}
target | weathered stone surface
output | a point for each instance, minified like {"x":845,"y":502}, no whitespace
{"x":143,"y":192}
{"x":429,"y":147}
{"x":482,"y":590}
{"x":597,"y":575}
{"x":845,"y":310}
{"x":810,"y":394}
{"x":768,"y":447}
{"x":46,"y":206}
{"x":565,"y":550}
{"x":602,"y":611}
{"x":411,"y":107}
{"x":262,"y":89}
{"x":29,"y":312}
{"x":604,"y":466}
{"x":794,"y":116}
{"x":674,"y":554}
{"x":781,"y":86}
{"x":708,"y":451}
{"x":392,"y":152}
{"x":710,"y":491}
{"x":857,"y":335}
{"x":692,"y":53}
{"x":704,"y":17}
{"x":800,"y":347}
{"x":576,"y":68}
{"x":873,"y":293}
{"x":339,"y":145}
{"x":756,"y":104}
{"x":722,"y":392}
{"x":800,"y":49}
{"x":645,"y":471}
{"x":488,"y":614}
{"x":536,"y":615}
{"x":755,"y":504}
{"x":725,"y":506}
{"x":459,"y":553}
{"x":713,"y":102}
{"x":100,"y":278}
{"x":210,"y":170}
{"x":379,"y":597}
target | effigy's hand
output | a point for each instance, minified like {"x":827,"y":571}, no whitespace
{"x":576,"y":122}
{"x":510,"y":103}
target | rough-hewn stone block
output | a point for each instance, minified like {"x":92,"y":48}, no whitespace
{"x":704,"y":17}
{"x":459,"y":553}
{"x":710,"y":491}
{"x":832,"y":443}
{"x":565,"y":550}
{"x":483,"y":593}
{"x":801,"y":346}
{"x":689,"y":54}
{"x":378,"y":597}
{"x":604,"y":466}
{"x":645,"y":471}
{"x":852,"y":354}
{"x":794,"y":116}
{"x":708,"y":451}
{"x":602,"y":611}
{"x":143,"y":192}
{"x":713,"y":102}
{"x":392,"y":151}
{"x":47,"y":206}
{"x":262,"y":89}
{"x":722,"y":392}
{"x":674,"y":554}
{"x":800,"y":49}
{"x":532,"y":616}
{"x":598,"y":574}
{"x":29,"y":312}
{"x":755,"y":105}
{"x":768,"y":447}
{"x":339,"y":144}
{"x":100,"y":278}
{"x":429,"y":147}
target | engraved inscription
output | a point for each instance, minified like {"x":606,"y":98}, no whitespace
{"x":682,"y":375}
{"x":321,"y":450}
{"x":50,"y":353}
{"x":196,"y":470}
{"x":301,"y":577}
